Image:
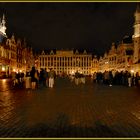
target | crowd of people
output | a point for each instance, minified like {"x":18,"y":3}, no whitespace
{"x":78,"y":78}
{"x":34,"y":79}
{"x":117,"y":78}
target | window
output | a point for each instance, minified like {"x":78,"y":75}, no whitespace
{"x":129,"y":52}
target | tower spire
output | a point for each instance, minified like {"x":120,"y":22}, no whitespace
{"x":3,"y":20}
{"x":2,"y":25}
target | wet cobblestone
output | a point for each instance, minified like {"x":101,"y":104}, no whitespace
{"x":68,"y":110}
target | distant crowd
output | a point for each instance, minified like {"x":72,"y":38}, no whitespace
{"x":110,"y":78}
{"x":35,"y":79}
{"x":117,"y":78}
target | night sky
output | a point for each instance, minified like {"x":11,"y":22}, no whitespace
{"x":92,"y":26}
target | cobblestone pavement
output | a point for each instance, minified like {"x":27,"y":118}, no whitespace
{"x":68,"y":110}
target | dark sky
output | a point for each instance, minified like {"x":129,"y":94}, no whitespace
{"x":93,"y":26}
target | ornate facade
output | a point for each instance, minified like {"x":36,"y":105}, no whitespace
{"x":2,"y":26}
{"x":66,"y":61}
{"x":126,"y":55}
{"x":15,"y":56}
{"x":118,"y":58}
{"x":94,"y":64}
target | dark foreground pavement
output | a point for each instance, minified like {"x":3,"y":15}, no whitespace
{"x":68,"y":110}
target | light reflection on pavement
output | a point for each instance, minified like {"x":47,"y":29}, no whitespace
{"x":68,"y":110}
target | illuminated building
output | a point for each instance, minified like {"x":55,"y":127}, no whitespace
{"x":25,"y":59}
{"x":66,"y":61}
{"x":120,"y":58}
{"x":136,"y":41}
{"x":29,"y":59}
{"x":11,"y":44}
{"x":94,"y":64}
{"x":104,"y":63}
{"x":2,"y":28}
{"x":4,"y":53}
{"x":125,"y":55}
{"x":15,"y":56}
{"x":112,"y":57}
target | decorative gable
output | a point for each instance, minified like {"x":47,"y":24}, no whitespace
{"x":51,"y":52}
{"x":76,"y":52}
{"x":85,"y":52}
{"x":43,"y":53}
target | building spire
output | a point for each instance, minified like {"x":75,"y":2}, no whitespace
{"x":3,"y":20}
{"x":0,"y":22}
{"x":2,"y":25}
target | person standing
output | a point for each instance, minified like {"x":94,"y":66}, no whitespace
{"x":13,"y":78}
{"x":41,"y":77}
{"x":137,"y":79}
{"x":46,"y":77}
{"x":76,"y":78}
{"x":28,"y":81}
{"x":129,"y":79}
{"x":110,"y":78}
{"x":33,"y":79}
{"x":51,"y":78}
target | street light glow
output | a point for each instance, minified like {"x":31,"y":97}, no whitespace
{"x":132,"y":71}
{"x":3,"y":69}
{"x":72,"y":72}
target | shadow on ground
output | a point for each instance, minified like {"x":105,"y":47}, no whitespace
{"x":61,"y":127}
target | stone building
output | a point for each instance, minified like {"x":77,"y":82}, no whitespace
{"x":136,"y":41}
{"x":15,"y":55}
{"x":66,"y":61}
{"x":94,"y":64}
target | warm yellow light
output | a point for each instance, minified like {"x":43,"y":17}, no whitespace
{"x":106,"y":62}
{"x":14,"y":70}
{"x":20,"y":70}
{"x":72,"y":72}
{"x":3,"y":69}
{"x":132,"y":71}
{"x":4,"y":80}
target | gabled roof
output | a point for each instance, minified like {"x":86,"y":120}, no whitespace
{"x":43,"y":53}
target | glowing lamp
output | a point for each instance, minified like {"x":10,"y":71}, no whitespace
{"x":72,"y":72}
{"x":3,"y":69}
{"x":132,"y":71}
